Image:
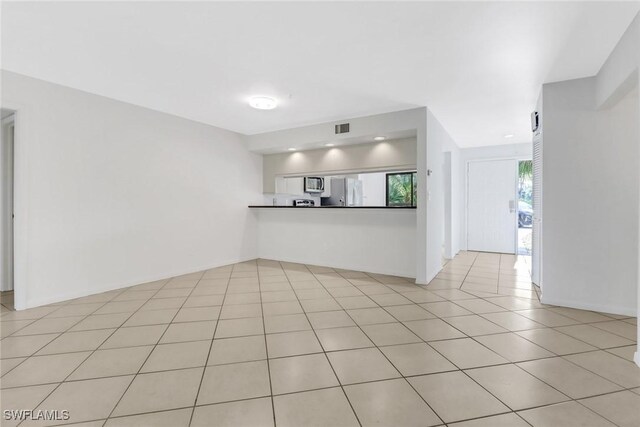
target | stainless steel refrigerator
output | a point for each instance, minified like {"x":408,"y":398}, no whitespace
{"x":344,"y":192}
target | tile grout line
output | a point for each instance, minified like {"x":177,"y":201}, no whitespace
{"x":392,"y":364}
{"x":478,"y":383}
{"x":366,"y":382}
{"x":59,"y":384}
{"x":464,"y":371}
{"x":434,"y":373}
{"x":320,"y":343}
{"x":213,"y":337}
{"x":34,"y":354}
{"x":516,"y":365}
{"x":154,"y":345}
{"x":516,"y":312}
{"x":411,"y":304}
{"x":594,"y":412}
{"x":595,"y":349}
{"x":436,"y":350}
{"x":266,"y":347}
{"x":459,"y":369}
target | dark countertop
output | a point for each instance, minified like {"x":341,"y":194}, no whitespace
{"x":333,"y":207}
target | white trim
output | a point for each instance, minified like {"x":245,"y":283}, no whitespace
{"x":79,"y":294}
{"x":325,"y":173}
{"x":636,"y":358}
{"x":345,"y":266}
{"x":602,"y":308}
{"x":516,"y":202}
{"x":8,"y":123}
{"x":429,"y":279}
{"x":20,"y":203}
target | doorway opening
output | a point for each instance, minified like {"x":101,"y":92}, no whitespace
{"x":500,"y":206}
{"x":525,"y":207}
{"x":7,"y":210}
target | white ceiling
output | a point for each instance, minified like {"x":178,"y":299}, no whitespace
{"x":477,"y":65}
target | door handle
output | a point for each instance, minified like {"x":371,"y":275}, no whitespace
{"x":512,"y":206}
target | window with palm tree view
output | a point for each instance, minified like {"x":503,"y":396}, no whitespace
{"x":401,"y":189}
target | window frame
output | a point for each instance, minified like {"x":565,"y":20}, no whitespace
{"x":413,"y":203}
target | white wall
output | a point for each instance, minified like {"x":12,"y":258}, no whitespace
{"x":374,"y":188}
{"x":393,"y":125}
{"x":457,"y":202}
{"x":391,"y":154}
{"x":453,"y":214}
{"x":590,"y":199}
{"x":438,"y":142}
{"x":621,"y":72}
{"x":432,"y":141}
{"x":111,"y":195}
{"x":415,"y":121}
{"x":591,"y":158}
{"x":374,"y":240}
{"x":504,"y":151}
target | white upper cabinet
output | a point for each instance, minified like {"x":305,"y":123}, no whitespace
{"x":281,"y":185}
{"x":294,"y":186}
{"x":327,"y":187}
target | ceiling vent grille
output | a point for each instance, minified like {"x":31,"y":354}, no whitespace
{"x":342,"y":128}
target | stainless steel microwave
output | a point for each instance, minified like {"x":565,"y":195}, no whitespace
{"x":313,"y":184}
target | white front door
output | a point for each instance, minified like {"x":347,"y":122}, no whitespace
{"x":492,"y":205}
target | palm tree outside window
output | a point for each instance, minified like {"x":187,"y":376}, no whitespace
{"x":401,"y":189}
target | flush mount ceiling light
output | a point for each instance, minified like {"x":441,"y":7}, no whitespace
{"x":509,"y":135}
{"x":291,"y":149}
{"x":263,"y":102}
{"x":331,"y":144}
{"x":379,"y":138}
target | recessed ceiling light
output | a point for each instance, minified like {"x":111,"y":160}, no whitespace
{"x":379,"y":138}
{"x":330,"y":145}
{"x":291,"y":149}
{"x":263,"y":102}
{"x":509,"y":135}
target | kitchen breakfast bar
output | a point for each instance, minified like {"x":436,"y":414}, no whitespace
{"x":376,"y":239}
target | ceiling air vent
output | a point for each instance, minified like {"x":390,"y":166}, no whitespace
{"x":342,"y":128}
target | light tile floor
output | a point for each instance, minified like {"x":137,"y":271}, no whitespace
{"x":6,"y":301}
{"x":266,"y":343}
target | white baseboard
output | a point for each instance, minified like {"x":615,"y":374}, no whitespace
{"x":37,"y":302}
{"x":344,"y":266}
{"x":636,"y":358}
{"x":602,"y":308}
{"x":428,"y":279}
